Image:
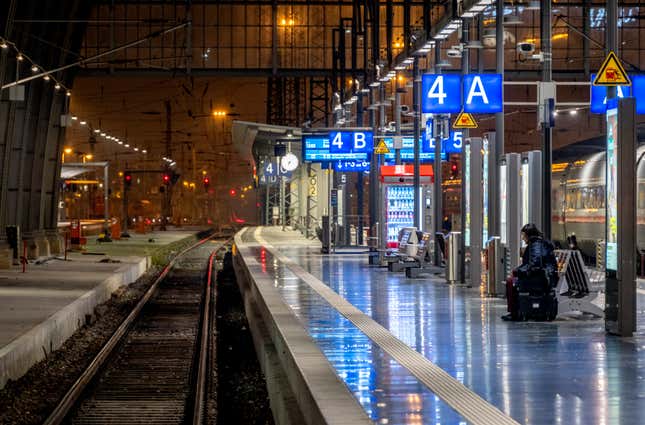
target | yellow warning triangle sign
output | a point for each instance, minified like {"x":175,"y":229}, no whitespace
{"x":381,"y":148}
{"x":464,"y":120}
{"x":612,"y":73}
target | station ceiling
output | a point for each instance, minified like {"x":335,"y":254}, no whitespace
{"x":225,"y":58}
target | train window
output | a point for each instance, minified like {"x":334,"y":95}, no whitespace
{"x":587,"y":198}
{"x":641,"y":195}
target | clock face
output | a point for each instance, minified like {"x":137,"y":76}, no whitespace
{"x":289,"y":162}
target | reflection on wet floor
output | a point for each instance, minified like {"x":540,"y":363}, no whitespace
{"x":387,"y":391}
{"x":568,"y":371}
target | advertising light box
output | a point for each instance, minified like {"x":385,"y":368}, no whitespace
{"x":612,"y":189}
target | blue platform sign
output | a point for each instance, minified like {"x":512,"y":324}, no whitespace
{"x":440,"y":94}
{"x":347,"y":166}
{"x":452,"y":144}
{"x":638,"y":91}
{"x":483,"y":93}
{"x":598,"y":98}
{"x":351,"y":141}
{"x":272,"y":169}
{"x":316,"y":148}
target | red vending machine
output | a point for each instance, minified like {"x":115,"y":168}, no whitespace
{"x":398,"y":195}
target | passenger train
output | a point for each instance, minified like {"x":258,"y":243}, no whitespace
{"x":578,"y":201}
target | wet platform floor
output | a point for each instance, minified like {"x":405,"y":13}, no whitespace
{"x":568,"y":371}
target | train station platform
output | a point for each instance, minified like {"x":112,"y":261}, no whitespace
{"x":424,"y":352}
{"x":44,"y":306}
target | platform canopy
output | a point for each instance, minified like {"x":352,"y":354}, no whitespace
{"x":258,"y":139}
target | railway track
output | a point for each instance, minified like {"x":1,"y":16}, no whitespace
{"x":154,"y":368}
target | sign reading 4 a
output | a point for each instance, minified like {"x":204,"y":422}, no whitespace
{"x":442,"y":94}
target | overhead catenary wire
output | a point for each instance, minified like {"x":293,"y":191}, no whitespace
{"x":95,"y":57}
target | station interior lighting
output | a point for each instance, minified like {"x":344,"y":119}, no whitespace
{"x":219,"y":113}
{"x":68,"y":150}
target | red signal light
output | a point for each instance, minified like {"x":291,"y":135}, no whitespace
{"x":232,"y":192}
{"x":166,"y":179}
{"x":128,"y":178}
{"x":454,"y":170}
{"x":206,"y":180}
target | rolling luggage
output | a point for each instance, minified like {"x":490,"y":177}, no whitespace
{"x":537,"y":305}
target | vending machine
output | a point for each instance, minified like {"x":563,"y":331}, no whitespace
{"x":398,"y":197}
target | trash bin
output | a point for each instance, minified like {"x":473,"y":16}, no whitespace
{"x":494,"y":267}
{"x":326,"y":235}
{"x":13,"y":237}
{"x":454,"y":257}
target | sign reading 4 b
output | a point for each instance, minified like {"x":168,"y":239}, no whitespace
{"x":442,"y":94}
{"x":351,"y":141}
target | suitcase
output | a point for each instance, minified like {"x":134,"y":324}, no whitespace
{"x":538,"y":306}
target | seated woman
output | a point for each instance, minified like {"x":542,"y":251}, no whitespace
{"x":537,"y":273}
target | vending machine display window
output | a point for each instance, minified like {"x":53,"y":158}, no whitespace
{"x":400,"y":211}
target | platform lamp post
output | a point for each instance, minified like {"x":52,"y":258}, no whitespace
{"x":438,"y":134}
{"x":465,"y":69}
{"x":547,"y":132}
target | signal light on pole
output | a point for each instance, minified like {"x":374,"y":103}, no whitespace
{"x":127,"y":179}
{"x":166,"y":179}
{"x":454,"y":170}
{"x":206,"y":182}
{"x":233,"y":192}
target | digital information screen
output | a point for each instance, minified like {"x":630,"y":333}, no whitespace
{"x":347,"y":166}
{"x":612,"y":187}
{"x":503,"y":198}
{"x":524,"y":190}
{"x":407,"y":152}
{"x":315,"y":148}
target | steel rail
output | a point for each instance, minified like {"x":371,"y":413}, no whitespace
{"x":72,"y":396}
{"x":204,"y":342}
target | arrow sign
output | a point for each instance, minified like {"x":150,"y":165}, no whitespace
{"x":381,"y":148}
{"x":464,"y":120}
{"x":612,"y":73}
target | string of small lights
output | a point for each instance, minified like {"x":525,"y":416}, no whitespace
{"x":107,"y":136}
{"x":22,"y":57}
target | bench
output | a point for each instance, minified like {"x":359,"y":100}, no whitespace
{"x":421,"y":259}
{"x":572,"y":290}
{"x":407,"y":238}
{"x":413,"y":257}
